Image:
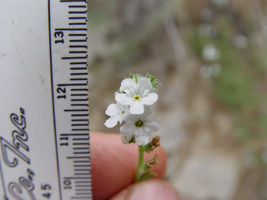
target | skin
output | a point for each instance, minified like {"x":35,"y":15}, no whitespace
{"x":114,"y":166}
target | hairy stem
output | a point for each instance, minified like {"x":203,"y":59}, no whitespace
{"x":140,"y":164}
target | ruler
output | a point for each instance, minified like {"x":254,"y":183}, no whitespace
{"x":44,"y":126}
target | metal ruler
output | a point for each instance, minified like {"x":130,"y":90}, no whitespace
{"x":44,"y":108}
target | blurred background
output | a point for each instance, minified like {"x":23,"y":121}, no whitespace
{"x":210,"y":57}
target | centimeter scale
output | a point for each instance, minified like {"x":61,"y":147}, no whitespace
{"x":44,"y":126}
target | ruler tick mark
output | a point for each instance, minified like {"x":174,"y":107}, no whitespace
{"x":76,"y":110}
{"x":74,"y":134}
{"x":78,"y":157}
{"x":78,"y":79}
{"x":78,"y":95}
{"x":82,"y":181}
{"x":79,"y":120}
{"x":81,"y":138}
{"x":77,"y":23}
{"x":78,"y":52}
{"x":77,"y":6}
{"x":81,"y":144}
{"x":77,"y":170}
{"x":78,"y":46}
{"x":67,"y":1}
{"x":81,"y":161}
{"x":79,"y":89}
{"x":79,"y":124}
{"x":71,"y":29}
{"x":79,"y":115}
{"x":77,"y":18}
{"x":80,"y":148}
{"x":78,"y":68}
{"x":85,"y":40}
{"x":78,"y":57}
{"x":77,"y":34}
{"x":78,"y":12}
{"x":79,"y":99}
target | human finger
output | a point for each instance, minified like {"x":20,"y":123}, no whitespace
{"x":148,"y":190}
{"x":114,"y":164}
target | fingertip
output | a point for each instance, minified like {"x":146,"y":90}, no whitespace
{"x":114,"y":164}
{"x":149,"y":190}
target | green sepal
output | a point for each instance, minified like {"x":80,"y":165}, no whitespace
{"x":135,"y":77}
{"x":147,"y":147}
{"x":132,"y":140}
{"x":121,"y":92}
{"x":152,"y":79}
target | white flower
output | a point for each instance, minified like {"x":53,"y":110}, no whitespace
{"x":136,"y":94}
{"x":210,"y":52}
{"x":117,"y":113}
{"x":139,"y":126}
{"x":133,"y":109}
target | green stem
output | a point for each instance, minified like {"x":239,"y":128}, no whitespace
{"x":140,"y":164}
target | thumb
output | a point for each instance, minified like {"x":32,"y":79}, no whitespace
{"x":149,"y":190}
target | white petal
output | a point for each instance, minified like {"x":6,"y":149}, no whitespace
{"x":125,"y":116}
{"x":121,"y":107}
{"x":112,"y":121}
{"x":128,"y":86}
{"x":131,"y":119}
{"x":149,"y":99}
{"x":152,"y":125}
{"x":136,"y":108}
{"x":140,"y":131}
{"x":127,"y":83}
{"x":112,"y":109}
{"x":115,"y":94}
{"x":148,"y":111}
{"x":142,"y":140}
{"x":123,"y":99}
{"x":127,"y":130}
{"x":131,"y":92}
{"x":144,"y":86}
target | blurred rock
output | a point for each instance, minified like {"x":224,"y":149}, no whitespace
{"x":241,"y":41}
{"x":208,"y":175}
{"x":172,"y":131}
{"x":201,"y":108}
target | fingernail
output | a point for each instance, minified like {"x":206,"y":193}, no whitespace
{"x":149,"y":190}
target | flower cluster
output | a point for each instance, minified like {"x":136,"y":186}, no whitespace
{"x":133,"y":109}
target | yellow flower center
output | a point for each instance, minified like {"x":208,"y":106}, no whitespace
{"x":137,"y":98}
